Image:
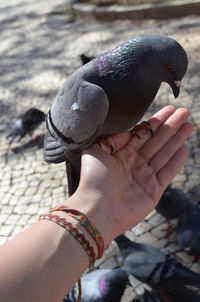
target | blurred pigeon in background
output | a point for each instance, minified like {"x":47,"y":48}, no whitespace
{"x":85,"y":59}
{"x":189,"y":233}
{"x":108,"y":95}
{"x":173,"y":204}
{"x":26,"y":123}
{"x":173,"y":293}
{"x":103,"y":285}
{"x":152,"y":266}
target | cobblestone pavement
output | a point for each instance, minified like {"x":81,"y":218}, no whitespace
{"x":40,"y":47}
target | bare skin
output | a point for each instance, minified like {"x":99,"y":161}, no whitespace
{"x":116,"y":192}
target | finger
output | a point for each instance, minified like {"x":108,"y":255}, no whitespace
{"x":169,"y":171}
{"x":167,"y":152}
{"x":164,"y":133}
{"x":156,"y":121}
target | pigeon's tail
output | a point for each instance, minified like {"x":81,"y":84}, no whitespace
{"x":177,"y":273}
{"x":73,"y":175}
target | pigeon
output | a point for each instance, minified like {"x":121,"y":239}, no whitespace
{"x":103,"y":285}
{"x":173,"y":293}
{"x":85,"y":59}
{"x":26,"y":123}
{"x":152,"y":266}
{"x":109,"y":95}
{"x":189,"y":232}
{"x":173,"y":204}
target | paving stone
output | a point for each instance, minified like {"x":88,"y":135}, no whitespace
{"x":184,"y":257}
{"x":6,"y":209}
{"x":109,"y":263}
{"x":141,"y":228}
{"x":156,"y":219}
{"x":128,"y":295}
{"x":172,"y":248}
{"x":21,"y":209}
{"x":6,"y":230}
{"x":3,"y":217}
{"x":195,"y":267}
{"x":5,"y":200}
{"x":58,"y":191}
{"x":146,"y":238}
{"x":12,"y":219}
{"x":48,"y":192}
{"x":160,"y":243}
{"x":17,"y":230}
{"x":23,"y":219}
{"x":160,"y":231}
{"x":32,"y":209}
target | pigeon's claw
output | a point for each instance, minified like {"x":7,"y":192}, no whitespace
{"x":105,"y":144}
{"x":168,"y":229}
{"x":144,"y":125}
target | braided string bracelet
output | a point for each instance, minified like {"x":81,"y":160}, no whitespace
{"x":87,"y":224}
{"x":79,"y":236}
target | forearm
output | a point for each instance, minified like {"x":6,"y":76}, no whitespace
{"x":44,"y":262}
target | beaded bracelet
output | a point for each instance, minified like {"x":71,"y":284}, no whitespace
{"x":87,"y":224}
{"x":77,"y":234}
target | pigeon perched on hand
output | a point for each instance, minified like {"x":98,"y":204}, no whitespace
{"x":26,"y":123}
{"x":150,"y":265}
{"x":173,"y":204}
{"x":189,"y":233}
{"x":103,"y":285}
{"x":109,"y":95}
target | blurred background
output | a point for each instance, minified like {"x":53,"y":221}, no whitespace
{"x":41,"y":43}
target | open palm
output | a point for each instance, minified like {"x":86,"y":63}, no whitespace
{"x":134,"y":178}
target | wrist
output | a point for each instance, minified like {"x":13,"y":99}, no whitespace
{"x":95,"y":206}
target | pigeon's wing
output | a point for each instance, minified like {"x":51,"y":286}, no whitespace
{"x":86,"y":114}
{"x":74,"y":124}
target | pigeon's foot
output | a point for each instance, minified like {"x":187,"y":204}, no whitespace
{"x":144,"y":125}
{"x":169,"y":229}
{"x":195,"y":258}
{"x":104,"y":143}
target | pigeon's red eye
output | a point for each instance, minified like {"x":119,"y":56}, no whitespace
{"x":169,"y":68}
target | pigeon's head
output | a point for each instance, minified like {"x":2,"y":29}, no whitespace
{"x":173,"y":61}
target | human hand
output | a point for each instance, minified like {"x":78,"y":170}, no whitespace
{"x":131,"y":181}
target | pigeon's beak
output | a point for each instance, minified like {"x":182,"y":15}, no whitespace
{"x":176,"y":88}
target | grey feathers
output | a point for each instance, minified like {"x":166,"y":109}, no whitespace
{"x":152,"y":266}
{"x":173,"y":203}
{"x":111,"y":93}
{"x":104,"y":285}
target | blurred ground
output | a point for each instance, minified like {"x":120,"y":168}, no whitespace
{"x":40,"y":47}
